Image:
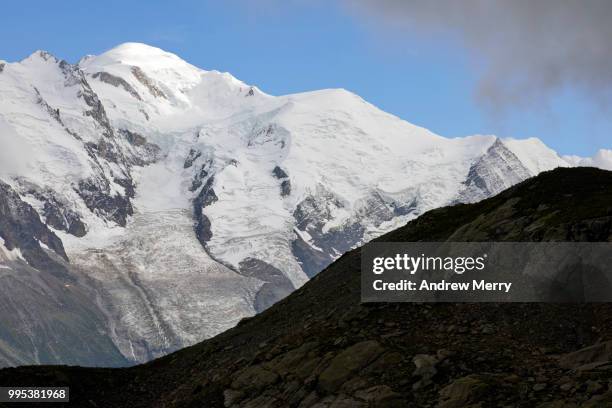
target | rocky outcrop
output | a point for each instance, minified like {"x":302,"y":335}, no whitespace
{"x":116,"y":82}
{"x":148,"y":83}
{"x":285,"y":188}
{"x":347,"y":363}
{"x":48,"y":315}
{"x":75,"y":77}
{"x":494,"y":172}
{"x":140,"y":151}
{"x":311,"y":215}
{"x":53,"y":112}
{"x":191,"y":157}
{"x":276,"y":285}
{"x":317,"y":245}
{"x":464,"y":391}
{"x":98,"y":197}
{"x":205,"y":198}
{"x":589,"y":358}
{"x":21,"y":228}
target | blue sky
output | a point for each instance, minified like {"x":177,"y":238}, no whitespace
{"x":300,"y":47}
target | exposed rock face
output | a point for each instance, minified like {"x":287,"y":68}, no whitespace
{"x":285,"y":182}
{"x":48,"y":315}
{"x":146,"y":81}
{"x":276,"y":285}
{"x":98,"y":197}
{"x":51,"y":319}
{"x":54,"y":113}
{"x":117,"y":82}
{"x":317,"y":244}
{"x":205,"y":198}
{"x":74,"y":77}
{"x":60,"y":216}
{"x":311,"y":216}
{"x":140,"y":151}
{"x":191,"y":157}
{"x":494,"y":172}
{"x":21,"y":228}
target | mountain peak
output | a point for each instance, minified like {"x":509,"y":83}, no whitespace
{"x":138,"y":54}
{"x":41,"y":55}
{"x":136,"y":48}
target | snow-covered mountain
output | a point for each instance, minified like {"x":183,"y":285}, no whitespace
{"x":146,"y":204}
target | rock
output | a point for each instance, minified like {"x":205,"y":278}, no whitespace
{"x":231,"y":397}
{"x":488,"y":329}
{"x":443,"y":354}
{"x":293,"y":398}
{"x":288,"y":362}
{"x":307,"y":368}
{"x":310,"y":400}
{"x":463,"y":391}
{"x":599,"y":401}
{"x":254,"y":379}
{"x":589,"y":357}
{"x":558,"y":404}
{"x":425,"y":368}
{"x":261,"y":401}
{"x":539,"y":387}
{"x":355,"y":384}
{"x":346,"y":402}
{"x":324,"y":403}
{"x":348,"y":362}
{"x":381,"y":396}
{"x":593,"y":387}
{"x":598,"y":365}
{"x":512,"y":378}
{"x":386,"y":362}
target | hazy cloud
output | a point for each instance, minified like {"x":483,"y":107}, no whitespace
{"x":528,"y":49}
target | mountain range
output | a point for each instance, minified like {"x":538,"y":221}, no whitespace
{"x":147,"y":204}
{"x":322,"y":347}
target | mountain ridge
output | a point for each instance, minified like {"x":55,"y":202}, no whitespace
{"x":254,"y":193}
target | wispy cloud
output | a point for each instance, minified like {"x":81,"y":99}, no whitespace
{"x":527,"y":50}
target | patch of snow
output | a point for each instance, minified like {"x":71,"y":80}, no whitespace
{"x":7,"y":255}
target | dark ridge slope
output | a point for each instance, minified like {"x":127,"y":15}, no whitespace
{"x":321,"y":347}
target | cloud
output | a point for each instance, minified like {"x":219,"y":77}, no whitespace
{"x":527,"y":49}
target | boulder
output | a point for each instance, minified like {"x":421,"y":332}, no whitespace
{"x":254,"y":378}
{"x":603,"y":400}
{"x":425,"y":369}
{"x":463,"y":391}
{"x":381,"y":396}
{"x":589,"y":357}
{"x":347,"y":362}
